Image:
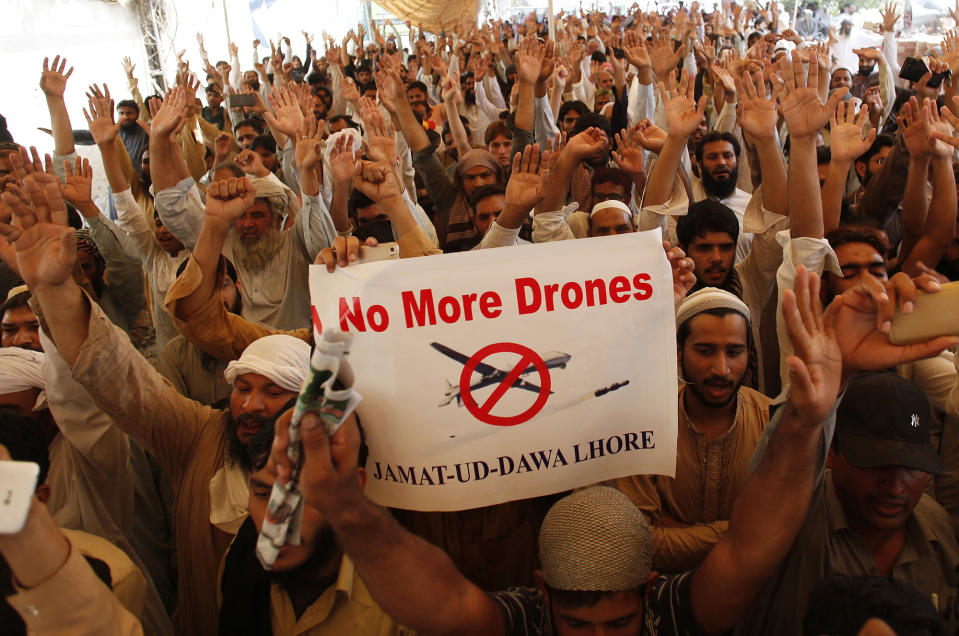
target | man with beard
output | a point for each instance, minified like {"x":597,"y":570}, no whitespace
{"x":418,"y":95}
{"x":868,"y":163}
{"x":272,"y":263}
{"x":478,"y":118}
{"x":200,"y":448}
{"x":300,"y":593}
{"x":720,"y":422}
{"x":717,"y":154}
{"x":135,"y":136}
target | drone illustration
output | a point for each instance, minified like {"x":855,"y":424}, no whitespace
{"x":490,"y":375}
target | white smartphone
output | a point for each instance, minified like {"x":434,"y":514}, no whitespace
{"x":18,"y":483}
{"x":382,"y":252}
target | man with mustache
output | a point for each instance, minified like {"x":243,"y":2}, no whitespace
{"x":870,"y":515}
{"x":720,"y":422}
{"x":200,"y":448}
{"x":717,"y":157}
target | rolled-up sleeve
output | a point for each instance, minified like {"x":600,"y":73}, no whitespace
{"x":181,"y":210}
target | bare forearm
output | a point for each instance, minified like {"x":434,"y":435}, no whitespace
{"x":111,"y":166}
{"x":833,"y":193}
{"x":60,"y":125}
{"x":399,"y":212}
{"x":415,"y":135}
{"x":524,"y":108}
{"x":773,"y":175}
{"x":167,"y":165}
{"x":414,"y":582}
{"x":456,"y":129}
{"x":558,"y":185}
{"x":661,"y":179}
{"x":805,"y":212}
{"x":915,"y":200}
{"x":940,"y":227}
{"x":339,"y":206}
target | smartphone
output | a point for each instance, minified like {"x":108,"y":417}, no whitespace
{"x":18,"y":483}
{"x":382,"y":252}
{"x":241,"y":100}
{"x":934,"y":315}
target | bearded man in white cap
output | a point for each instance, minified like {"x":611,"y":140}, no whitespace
{"x":191,"y":442}
{"x":720,"y":422}
{"x":595,"y":547}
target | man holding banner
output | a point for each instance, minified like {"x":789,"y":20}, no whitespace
{"x":595,"y":547}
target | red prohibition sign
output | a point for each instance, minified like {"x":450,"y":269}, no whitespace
{"x":527,"y":357}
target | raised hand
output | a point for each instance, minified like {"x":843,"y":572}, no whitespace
{"x":53,"y":81}
{"x":251,"y":163}
{"x":683,"y":114}
{"x":342,"y":160}
{"x":46,"y":248}
{"x":382,"y":136}
{"x":890,"y":16}
{"x":816,"y":366}
{"x":936,"y":127}
{"x":287,"y":116}
{"x":629,"y":155}
{"x":636,"y":52}
{"x":913,"y":133}
{"x":722,"y":78}
{"x":757,"y":111}
{"x":308,"y":152}
{"x":349,"y":90}
{"x":229,"y":199}
{"x":168,"y":117}
{"x":683,"y":269}
{"x":953,"y":121}
{"x":529,"y":60}
{"x":805,"y":115}
{"x":865,"y":318}
{"x":846,"y":128}
{"x":100,"y":116}
{"x":527,"y":181}
{"x":77,"y":187}
{"x":590,"y":142}
{"x":662,"y":55}
{"x":451,"y":91}
{"x":128,"y":67}
{"x":650,"y":136}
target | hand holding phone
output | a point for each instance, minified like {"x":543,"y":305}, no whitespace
{"x":18,"y":483}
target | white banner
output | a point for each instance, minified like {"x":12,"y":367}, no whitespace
{"x":508,"y":373}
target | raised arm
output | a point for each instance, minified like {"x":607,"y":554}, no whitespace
{"x":452,"y":98}
{"x":411,"y":580}
{"x":758,"y":118}
{"x":771,"y":508}
{"x":683,"y":115}
{"x":846,"y":143}
{"x":167,"y":166}
{"x":105,"y":133}
{"x":939,"y":229}
{"x":226,"y":201}
{"x":805,"y":116}
{"x":53,"y":83}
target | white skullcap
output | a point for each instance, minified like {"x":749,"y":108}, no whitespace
{"x":283,"y":359}
{"x":20,"y":369}
{"x":349,"y":132}
{"x":611,"y":203}
{"x":595,"y":539}
{"x":709,"y":298}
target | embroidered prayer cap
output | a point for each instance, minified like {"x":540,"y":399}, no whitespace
{"x":611,"y":203}
{"x":281,"y":358}
{"x":20,"y":369}
{"x":709,"y":298}
{"x":595,"y":539}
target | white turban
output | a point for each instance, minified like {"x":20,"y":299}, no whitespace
{"x":283,"y":201}
{"x":706,"y":299}
{"x":612,"y":203}
{"x":20,"y":370}
{"x":285,"y":360}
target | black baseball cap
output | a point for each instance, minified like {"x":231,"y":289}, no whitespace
{"x":883,"y":420}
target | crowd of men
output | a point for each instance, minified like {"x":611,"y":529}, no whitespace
{"x":153,"y":342}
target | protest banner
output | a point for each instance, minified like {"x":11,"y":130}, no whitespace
{"x":508,"y":373}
